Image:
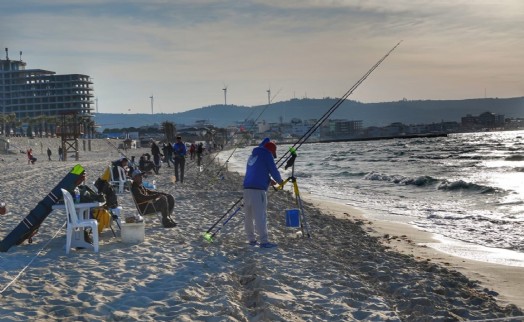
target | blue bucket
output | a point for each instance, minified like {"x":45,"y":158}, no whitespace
{"x":293,"y":218}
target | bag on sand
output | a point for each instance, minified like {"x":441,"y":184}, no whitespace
{"x":103,"y":217}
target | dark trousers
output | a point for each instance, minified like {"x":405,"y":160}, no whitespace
{"x":180,"y":163}
{"x":165,"y":204}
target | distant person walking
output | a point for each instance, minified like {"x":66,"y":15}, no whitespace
{"x":155,"y":151}
{"x":192,"y":150}
{"x":168,"y":153}
{"x":49,"y":153}
{"x":60,"y":154}
{"x":260,"y":166}
{"x":179,"y":150}
{"x":199,"y":151}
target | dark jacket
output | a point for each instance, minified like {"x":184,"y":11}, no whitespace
{"x":142,"y":195}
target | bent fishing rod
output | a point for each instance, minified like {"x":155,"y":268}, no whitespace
{"x":284,"y":158}
{"x":292,"y":151}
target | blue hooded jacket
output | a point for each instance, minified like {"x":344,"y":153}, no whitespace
{"x":260,"y":166}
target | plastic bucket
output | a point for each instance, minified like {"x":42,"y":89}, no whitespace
{"x":132,"y":233}
{"x":293,"y":218}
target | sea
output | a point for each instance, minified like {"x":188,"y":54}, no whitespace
{"x":467,"y":189}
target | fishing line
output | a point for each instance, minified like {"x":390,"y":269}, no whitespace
{"x":222,"y":167}
{"x":254,"y":124}
{"x":292,"y":151}
{"x":117,"y":149}
{"x":31,"y":261}
{"x":283,"y":159}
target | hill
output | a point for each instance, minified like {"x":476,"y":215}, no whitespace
{"x":372,"y":114}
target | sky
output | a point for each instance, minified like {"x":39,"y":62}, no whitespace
{"x":184,"y":53}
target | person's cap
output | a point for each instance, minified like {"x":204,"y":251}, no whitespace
{"x":179,"y":138}
{"x":136,"y":173}
{"x":272,"y":147}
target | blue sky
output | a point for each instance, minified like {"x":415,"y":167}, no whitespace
{"x":183,"y":52}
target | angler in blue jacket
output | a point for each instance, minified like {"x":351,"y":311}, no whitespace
{"x":179,"y":151}
{"x":260,"y":166}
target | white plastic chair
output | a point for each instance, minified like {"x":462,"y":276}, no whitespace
{"x":74,"y":223}
{"x":121,"y":181}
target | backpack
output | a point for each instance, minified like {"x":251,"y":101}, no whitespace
{"x":108,"y":191}
{"x":88,"y":195}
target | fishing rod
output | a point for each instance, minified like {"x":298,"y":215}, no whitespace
{"x":283,"y":159}
{"x":221,"y":168}
{"x":254,"y":123}
{"x":117,"y":149}
{"x":290,"y":155}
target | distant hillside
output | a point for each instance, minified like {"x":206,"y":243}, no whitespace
{"x":372,"y":114}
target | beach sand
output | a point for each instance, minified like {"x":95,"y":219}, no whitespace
{"x":346,"y":271}
{"x":404,"y":238}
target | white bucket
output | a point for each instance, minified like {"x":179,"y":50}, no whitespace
{"x":132,"y":233}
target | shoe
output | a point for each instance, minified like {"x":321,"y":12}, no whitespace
{"x":253,"y":243}
{"x":268,"y":245}
{"x":169,"y":224}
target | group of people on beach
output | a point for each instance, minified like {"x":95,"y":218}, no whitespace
{"x":261,"y":172}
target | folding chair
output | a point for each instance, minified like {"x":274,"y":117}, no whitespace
{"x":148,"y":210}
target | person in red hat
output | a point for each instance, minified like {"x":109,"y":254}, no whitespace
{"x":260,"y":169}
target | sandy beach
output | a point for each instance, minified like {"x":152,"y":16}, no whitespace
{"x":352,"y":269}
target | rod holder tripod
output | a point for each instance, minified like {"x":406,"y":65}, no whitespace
{"x":304,"y":226}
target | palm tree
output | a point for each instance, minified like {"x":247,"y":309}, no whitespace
{"x":169,"y":131}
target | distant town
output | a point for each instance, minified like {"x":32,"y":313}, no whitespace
{"x":249,"y":132}
{"x":42,"y":103}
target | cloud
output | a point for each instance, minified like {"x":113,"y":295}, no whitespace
{"x":185,"y":51}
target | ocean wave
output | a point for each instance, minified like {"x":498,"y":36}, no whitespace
{"x":442,"y":184}
{"x":398,"y":179}
{"x":515,"y":157}
{"x":463,"y":185}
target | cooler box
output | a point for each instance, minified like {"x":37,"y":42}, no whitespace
{"x":132,"y":233}
{"x":293,"y":218}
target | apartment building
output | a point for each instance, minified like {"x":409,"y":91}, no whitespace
{"x":29,"y":93}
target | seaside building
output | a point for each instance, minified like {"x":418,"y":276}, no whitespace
{"x":36,"y":93}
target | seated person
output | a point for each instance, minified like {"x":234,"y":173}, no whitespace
{"x":145,"y":198}
{"x":30,"y":158}
{"x":146,"y":165}
{"x":120,"y":163}
{"x":103,"y":187}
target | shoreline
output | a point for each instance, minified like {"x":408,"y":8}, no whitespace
{"x":410,"y":240}
{"x":407,"y":239}
{"x":342,"y":273}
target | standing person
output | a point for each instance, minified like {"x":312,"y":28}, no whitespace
{"x":199,"y":151}
{"x":155,"y":151}
{"x":179,"y":150}
{"x":168,"y":153}
{"x":163,"y":202}
{"x":192,"y":150}
{"x":260,"y":166}
{"x":49,"y":153}
{"x":60,"y":153}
